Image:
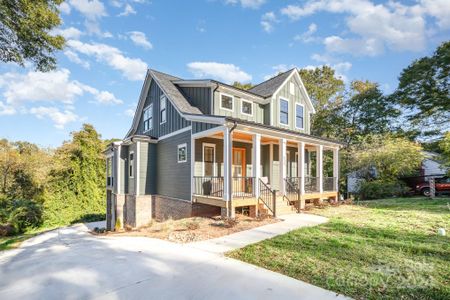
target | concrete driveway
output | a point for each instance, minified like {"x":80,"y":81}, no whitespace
{"x":69,"y":263}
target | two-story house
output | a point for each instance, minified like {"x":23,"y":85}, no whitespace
{"x":203,"y":147}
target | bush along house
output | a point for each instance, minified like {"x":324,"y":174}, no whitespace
{"x":203,"y":147}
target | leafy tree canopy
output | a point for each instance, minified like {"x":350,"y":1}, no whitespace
{"x":242,"y":86}
{"x":25,"y":27}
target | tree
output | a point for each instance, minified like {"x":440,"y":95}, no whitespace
{"x":387,"y":156}
{"x":25,"y":27}
{"x":444,"y":146}
{"x":77,"y":180}
{"x":424,"y":90}
{"x":242,"y":86}
{"x":326,"y":93}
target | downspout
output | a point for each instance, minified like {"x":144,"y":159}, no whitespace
{"x":212,"y":98}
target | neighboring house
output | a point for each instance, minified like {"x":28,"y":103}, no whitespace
{"x":431,"y":167}
{"x":202,"y":147}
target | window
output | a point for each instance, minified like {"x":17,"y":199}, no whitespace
{"x":291,"y":88}
{"x":247,"y":107}
{"x":148,"y":118}
{"x":299,"y":116}
{"x":226,"y":102}
{"x":284,"y":111}
{"x":182,"y":153}
{"x":131,"y":165}
{"x":109,"y":167}
{"x":209,"y":159}
{"x":162,"y":109}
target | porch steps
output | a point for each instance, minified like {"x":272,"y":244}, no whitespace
{"x":283,"y":207}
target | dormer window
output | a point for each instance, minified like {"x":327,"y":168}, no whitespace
{"x":148,"y":118}
{"x":226,"y":102}
{"x":284,"y":111}
{"x":247,"y":107}
{"x":162,"y":109}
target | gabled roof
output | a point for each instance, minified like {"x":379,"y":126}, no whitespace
{"x":165,"y":82}
{"x":269,"y":87}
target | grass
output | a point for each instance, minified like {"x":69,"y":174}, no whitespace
{"x":12,"y":242}
{"x":376,"y":249}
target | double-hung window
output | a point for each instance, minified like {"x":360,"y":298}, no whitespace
{"x":131,"y":165}
{"x":162,"y":109}
{"x":182,"y":153}
{"x":148,"y":118}
{"x":247,"y":107}
{"x":284,"y":111}
{"x":226,"y":102}
{"x":299,"y":116}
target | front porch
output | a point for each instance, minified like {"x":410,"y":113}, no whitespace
{"x":260,"y":171}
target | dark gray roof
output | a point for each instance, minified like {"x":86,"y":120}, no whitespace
{"x":268,"y":88}
{"x":173,"y":93}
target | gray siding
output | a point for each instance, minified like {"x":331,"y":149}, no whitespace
{"x":147,"y":169}
{"x":174,"y":179}
{"x":298,"y":97}
{"x":131,"y":180}
{"x":174,"y":121}
{"x":199,"y":127}
{"x":124,"y":169}
{"x":199,"y":97}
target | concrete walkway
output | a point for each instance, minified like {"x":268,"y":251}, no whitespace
{"x":70,"y":263}
{"x":243,"y":238}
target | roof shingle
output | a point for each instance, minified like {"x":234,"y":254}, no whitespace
{"x":268,"y":88}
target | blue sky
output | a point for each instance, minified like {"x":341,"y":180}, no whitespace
{"x":110,"y":43}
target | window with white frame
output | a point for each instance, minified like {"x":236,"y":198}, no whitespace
{"x":299,"y":116}
{"x":162,"y":109}
{"x":131,"y":165}
{"x":247,"y":107}
{"x":148,"y":117}
{"x":226,"y":102}
{"x":109,"y":171}
{"x":284,"y":111}
{"x":182,"y":153}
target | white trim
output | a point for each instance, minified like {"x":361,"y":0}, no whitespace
{"x":271,"y":164}
{"x":336,"y":168}
{"x":282,"y":164}
{"x":319,"y":166}
{"x":166,"y":136}
{"x":117,"y":180}
{"x":192,"y":165}
{"x":295,"y":116}
{"x":163,"y":96}
{"x":227,"y":144}
{"x":292,"y":88}
{"x":194,"y":83}
{"x":138,"y":169}
{"x":203,"y":158}
{"x":143,"y":120}
{"x":279,"y":111}
{"x":220,"y":102}
{"x":184,"y":145}
{"x":256,"y":162}
{"x":251,"y":105}
{"x":206,"y":119}
{"x":208,"y":132}
{"x":132,"y":165}
{"x":142,"y":97}
{"x":271,"y":111}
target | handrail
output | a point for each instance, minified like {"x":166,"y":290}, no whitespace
{"x":292,"y":189}
{"x":268,"y":197}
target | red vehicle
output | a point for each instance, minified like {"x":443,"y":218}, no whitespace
{"x":442,"y":186}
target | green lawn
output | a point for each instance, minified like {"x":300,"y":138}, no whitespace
{"x":371,"y":250}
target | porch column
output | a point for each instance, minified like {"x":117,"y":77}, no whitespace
{"x":227,"y":160}
{"x":301,"y":172}
{"x":336,"y":168}
{"x":319,"y":167}
{"x":282,"y":159}
{"x":256,"y":162}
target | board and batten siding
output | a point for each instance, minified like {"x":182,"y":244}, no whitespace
{"x":147,"y":169}
{"x":298,"y":97}
{"x":124,"y":169}
{"x":199,"y":126}
{"x":199,"y":97}
{"x":174,"y":121}
{"x":258,"y":109}
{"x":174,"y":178}
{"x":131,"y":180}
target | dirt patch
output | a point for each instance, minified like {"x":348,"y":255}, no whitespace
{"x":194,"y":229}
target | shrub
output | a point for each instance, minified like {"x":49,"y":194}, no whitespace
{"x":192,"y":225}
{"x":378,"y":189}
{"x":25,"y":214}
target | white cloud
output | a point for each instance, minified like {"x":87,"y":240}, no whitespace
{"x":281,"y":68}
{"x":377,"y":26}
{"x":225,"y":72}
{"x":59,"y":118}
{"x":340,"y":67}
{"x":140,"y":39}
{"x":247,"y":3}
{"x":73,"y":57}
{"x":65,"y":8}
{"x":6,"y":109}
{"x":131,"y":68}
{"x":308,"y":36}
{"x":105,"y":97}
{"x":267,"y":21}
{"x":129,"y":10}
{"x":68,"y":33}
{"x":91,"y":9}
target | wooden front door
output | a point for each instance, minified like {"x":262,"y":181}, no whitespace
{"x":238,"y":169}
